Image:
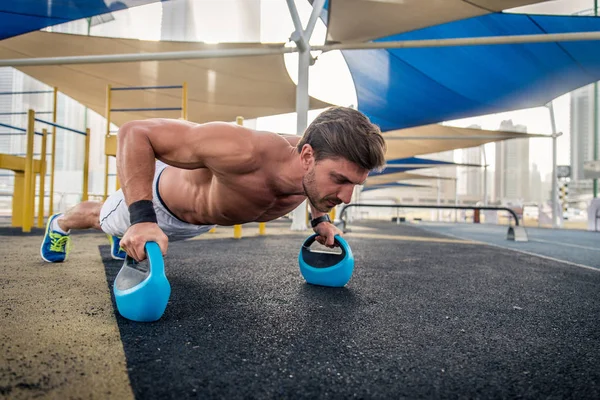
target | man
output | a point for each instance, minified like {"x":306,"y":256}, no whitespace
{"x":222,"y":174}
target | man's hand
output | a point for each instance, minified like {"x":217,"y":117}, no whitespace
{"x":327,"y":232}
{"x":136,"y":237}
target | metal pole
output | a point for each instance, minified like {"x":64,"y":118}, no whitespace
{"x":29,"y":175}
{"x":472,"y":41}
{"x":40,"y":223}
{"x":456,"y":199}
{"x":237,"y":229}
{"x":184,"y":101}
{"x":53,"y":155}
{"x":465,"y":137}
{"x":137,"y":57}
{"x":260,"y":51}
{"x":86,"y":166}
{"x":438,"y":198}
{"x":314,"y":16}
{"x":485,"y":175}
{"x":596,"y":133}
{"x":302,"y":38}
{"x":555,"y":208}
{"x":107,"y":134}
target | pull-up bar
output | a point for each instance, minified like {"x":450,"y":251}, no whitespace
{"x":146,"y":87}
{"x":60,"y":126}
{"x":26,"y":92}
{"x":110,"y":142}
{"x":25,"y":113}
{"x":17,"y":129}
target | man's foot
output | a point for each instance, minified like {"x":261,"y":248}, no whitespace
{"x":116,"y":251}
{"x":56,"y":244}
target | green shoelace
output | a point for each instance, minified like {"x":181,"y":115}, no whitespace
{"x":59,"y":243}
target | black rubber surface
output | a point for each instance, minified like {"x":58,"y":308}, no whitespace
{"x":417,"y":320}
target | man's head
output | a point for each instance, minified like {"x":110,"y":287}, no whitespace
{"x":338,"y":150}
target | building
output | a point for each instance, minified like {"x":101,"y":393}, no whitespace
{"x":582,"y":138}
{"x":511,"y":182}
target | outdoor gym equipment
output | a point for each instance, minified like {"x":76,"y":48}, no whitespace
{"x":326,"y":268}
{"x":142,"y":293}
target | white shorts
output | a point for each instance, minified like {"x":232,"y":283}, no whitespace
{"x":114,"y":216}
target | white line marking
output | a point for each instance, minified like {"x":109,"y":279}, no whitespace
{"x":532,"y":254}
{"x":564,"y":244}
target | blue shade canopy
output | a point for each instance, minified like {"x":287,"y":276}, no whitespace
{"x":22,"y":16}
{"x":426,"y":162}
{"x":414,"y":163}
{"x":400,"y":88}
{"x":393,"y":184}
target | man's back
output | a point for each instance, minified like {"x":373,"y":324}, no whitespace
{"x":246,"y":186}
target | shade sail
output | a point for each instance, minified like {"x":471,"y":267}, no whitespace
{"x":394,"y":185}
{"x":422,"y":163}
{"x":360,"y":20}
{"x":219,"y":89}
{"x":400,"y":88}
{"x":22,"y":16}
{"x":401,"y":176}
{"x":436,"y":138}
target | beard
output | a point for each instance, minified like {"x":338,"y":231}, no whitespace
{"x":310,"y":189}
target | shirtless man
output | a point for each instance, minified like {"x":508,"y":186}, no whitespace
{"x":222,"y":174}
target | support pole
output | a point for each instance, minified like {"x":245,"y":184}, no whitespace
{"x":555,"y":206}
{"x":106,"y":159}
{"x":596,"y":132}
{"x":29,"y":176}
{"x":86,"y":166}
{"x":42,"y":189}
{"x":485,"y":176}
{"x":237,"y":229}
{"x":456,"y":199}
{"x":53,"y":155}
{"x":299,"y":214}
{"x":184,"y":101}
{"x":302,"y":39}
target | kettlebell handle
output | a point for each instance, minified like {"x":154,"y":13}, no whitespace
{"x":155,"y":259}
{"x":337,"y":239}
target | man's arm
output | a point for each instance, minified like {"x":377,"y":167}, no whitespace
{"x":219,"y":146}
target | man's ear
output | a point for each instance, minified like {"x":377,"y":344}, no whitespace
{"x":307,"y":156}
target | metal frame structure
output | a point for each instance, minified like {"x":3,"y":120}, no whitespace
{"x":110,"y":147}
{"x":302,"y":39}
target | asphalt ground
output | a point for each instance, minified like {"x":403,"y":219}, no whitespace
{"x":425,"y":315}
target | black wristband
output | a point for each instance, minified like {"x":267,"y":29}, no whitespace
{"x":318,"y":220}
{"x":142,"y":211}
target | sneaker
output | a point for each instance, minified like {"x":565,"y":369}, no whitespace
{"x":56,"y":245}
{"x":116,"y":251}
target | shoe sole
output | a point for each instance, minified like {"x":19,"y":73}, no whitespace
{"x":42,"y":246}
{"x":110,"y":239}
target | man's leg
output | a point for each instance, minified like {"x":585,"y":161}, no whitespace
{"x":84,"y":215}
{"x":56,"y":244}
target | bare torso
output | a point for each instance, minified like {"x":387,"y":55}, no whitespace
{"x":204,"y":197}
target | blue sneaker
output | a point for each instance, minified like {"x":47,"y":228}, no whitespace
{"x":56,"y":245}
{"x":116,"y":251}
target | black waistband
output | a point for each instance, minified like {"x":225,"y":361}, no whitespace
{"x":161,"y":200}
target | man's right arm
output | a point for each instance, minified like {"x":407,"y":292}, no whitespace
{"x":218,"y":146}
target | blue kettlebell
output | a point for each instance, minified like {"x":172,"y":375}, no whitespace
{"x":325,"y":268}
{"x":142,"y":295}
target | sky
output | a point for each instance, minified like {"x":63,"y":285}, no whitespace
{"x":330,"y":79}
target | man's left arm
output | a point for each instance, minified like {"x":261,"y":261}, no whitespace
{"x":323,"y":227}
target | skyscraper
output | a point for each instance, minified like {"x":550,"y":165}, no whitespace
{"x":511,"y":182}
{"x":582,"y":139}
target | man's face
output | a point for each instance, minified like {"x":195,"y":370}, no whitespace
{"x":330,"y":182}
